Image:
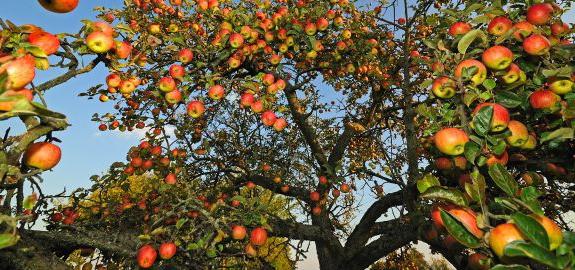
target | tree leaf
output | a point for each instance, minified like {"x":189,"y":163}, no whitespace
{"x":458,"y":231}
{"x":508,"y":99}
{"x":427,"y":181}
{"x":532,"y":229}
{"x":445,"y":194}
{"x":8,"y":240}
{"x":468,"y":38}
{"x":482,"y":120}
{"x":509,"y":267}
{"x":471,"y":151}
{"x":532,"y":251}
{"x":558,"y":134}
{"x":503,"y":179}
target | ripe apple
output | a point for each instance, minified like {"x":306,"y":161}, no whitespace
{"x":236,"y":40}
{"x":314,"y":196}
{"x":167,"y":84}
{"x":280,"y":124}
{"x":99,"y":42}
{"x":502,"y":235}
{"x":310,"y":29}
{"x":451,"y":141}
{"x":559,"y":28}
{"x":238,"y":232}
{"x":530,"y":144}
{"x":113,"y":80}
{"x":523,"y":29}
{"x":464,"y":215}
{"x":544,"y":99}
{"x":500,"y":117}
{"x":501,"y":159}
{"x":344,"y":188}
{"x":20,"y":72}
{"x":497,"y":57}
{"x":185,"y":56}
{"x":519,"y":134}
{"x":195,"y":109}
{"x":322,"y":24}
{"x":561,"y":86}
{"x":540,"y":14}
{"x":146,"y":256}
{"x":478,"y":261}
{"x":170,"y":179}
{"x":284,"y":189}
{"x":536,"y":44}
{"x":122,"y":49}
{"x":553,"y":231}
{"x":42,"y":155}
{"x":127,"y":87}
{"x":258,"y":236}
{"x":11,"y":103}
{"x":177,"y":71}
{"x":499,"y":25}
{"x":443,"y":163}
{"x":268,"y":79}
{"x":443,"y":87}
{"x":257,"y":106}
{"x":512,"y":74}
{"x":269,"y":118}
{"x":59,"y":6}
{"x":460,"y":162}
{"x":167,"y":250}
{"x":216,"y":92}
{"x":479,"y":76}
{"x":250,"y":250}
{"x":173,"y":97}
{"x":47,"y":42}
{"x":459,"y":28}
{"x":246,"y":100}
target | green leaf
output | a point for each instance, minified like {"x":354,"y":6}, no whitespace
{"x":181,"y":222}
{"x":482,"y":120}
{"x":8,"y":239}
{"x":503,"y":179}
{"x":426,"y":83}
{"x":445,"y":194}
{"x":532,"y":251}
{"x":479,"y":186}
{"x":529,"y":196}
{"x":427,"y":181}
{"x":532,"y":229}
{"x":508,"y":99}
{"x":489,"y":84}
{"x":558,"y":134}
{"x":458,"y":231}
{"x":471,"y":151}
{"x":468,"y":38}
{"x":469,"y":97}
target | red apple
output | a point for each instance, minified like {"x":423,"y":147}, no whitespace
{"x":59,"y":6}
{"x":122,"y":49}
{"x":170,"y":179}
{"x":310,"y":29}
{"x":258,"y":236}
{"x":540,"y":14}
{"x":451,"y":141}
{"x":280,"y":124}
{"x":497,"y":57}
{"x":167,"y":250}
{"x":314,"y":196}
{"x":195,"y":109}
{"x":167,"y":84}
{"x":236,"y":40}
{"x":269,"y":118}
{"x":47,"y":42}
{"x":493,"y":159}
{"x":459,"y":28}
{"x":512,"y":74}
{"x":500,"y":117}
{"x":536,"y":44}
{"x":238,"y":232}
{"x":177,"y":71}
{"x":479,"y":76}
{"x":443,"y":163}
{"x":99,"y":42}
{"x":499,"y":25}
{"x":246,"y":100}
{"x":559,"y":28}
{"x":443,"y":87}
{"x":519,"y":133}
{"x":523,"y":29}
{"x":502,"y":235}
{"x":20,"y":72}
{"x":464,"y":215}
{"x":104,"y":27}
{"x":173,"y":97}
{"x":257,"y":106}
{"x":544,"y":99}
{"x":268,"y":79}
{"x":146,"y":256}
{"x":42,"y":155}
{"x":113,"y":80}
{"x":127,"y":87}
{"x":185,"y":56}
{"x":216,"y":92}
{"x":478,"y":261}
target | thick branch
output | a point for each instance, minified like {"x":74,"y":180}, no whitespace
{"x":268,"y":183}
{"x":30,"y":253}
{"x":68,"y":75}
{"x":361,"y":233}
